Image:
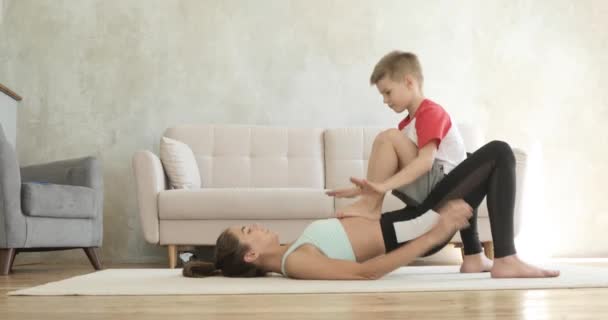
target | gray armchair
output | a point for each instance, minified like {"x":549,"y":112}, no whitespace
{"x":46,"y":207}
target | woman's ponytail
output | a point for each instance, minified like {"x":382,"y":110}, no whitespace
{"x":200,"y":269}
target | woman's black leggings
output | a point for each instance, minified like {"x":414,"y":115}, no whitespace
{"x":489,"y":171}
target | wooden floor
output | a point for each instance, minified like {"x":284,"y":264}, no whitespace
{"x":508,"y":304}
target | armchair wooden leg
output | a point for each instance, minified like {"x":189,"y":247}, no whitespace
{"x":10,"y":268}
{"x":488,"y":248}
{"x":92,"y":254}
{"x":7,"y":256}
{"x":172,"y":251}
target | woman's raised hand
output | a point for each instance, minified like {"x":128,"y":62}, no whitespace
{"x":453,"y":216}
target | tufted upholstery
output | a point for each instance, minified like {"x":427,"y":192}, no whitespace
{"x":255,"y":157}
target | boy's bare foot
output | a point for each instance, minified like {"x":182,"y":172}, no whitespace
{"x":513,"y":267}
{"x":344,"y":193}
{"x":476,"y":263}
{"x":366,"y":207}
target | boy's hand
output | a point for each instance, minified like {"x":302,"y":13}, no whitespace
{"x":344,"y":193}
{"x":368,"y":187}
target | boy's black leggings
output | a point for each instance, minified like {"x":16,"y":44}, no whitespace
{"x":489,"y":171}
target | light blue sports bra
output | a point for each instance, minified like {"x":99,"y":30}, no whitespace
{"x":329,"y":236}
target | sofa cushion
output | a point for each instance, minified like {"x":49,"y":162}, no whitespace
{"x":179,"y":164}
{"x":236,"y":156}
{"x":57,"y":201}
{"x":245,"y":203}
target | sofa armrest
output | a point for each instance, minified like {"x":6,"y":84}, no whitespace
{"x":150,"y":180}
{"x":521,"y":166}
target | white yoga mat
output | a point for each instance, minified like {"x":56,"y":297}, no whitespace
{"x":424,"y":278}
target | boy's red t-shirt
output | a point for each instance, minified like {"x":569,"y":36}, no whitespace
{"x":432,"y":122}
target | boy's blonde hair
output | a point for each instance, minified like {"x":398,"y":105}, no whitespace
{"x":396,"y":65}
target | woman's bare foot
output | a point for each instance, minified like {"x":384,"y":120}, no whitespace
{"x":476,"y":263}
{"x":513,"y":267}
{"x":367,"y":207}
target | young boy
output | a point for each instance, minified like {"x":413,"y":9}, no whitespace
{"x":410,"y":160}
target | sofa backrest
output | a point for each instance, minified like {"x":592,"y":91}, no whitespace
{"x":347,"y":152}
{"x":232,"y":156}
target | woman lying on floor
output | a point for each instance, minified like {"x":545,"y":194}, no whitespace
{"x":364,"y":246}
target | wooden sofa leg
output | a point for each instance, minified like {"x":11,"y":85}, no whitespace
{"x":488,"y":248}
{"x":92,"y":254}
{"x":461,"y":247}
{"x":7,"y":256}
{"x":172,"y":251}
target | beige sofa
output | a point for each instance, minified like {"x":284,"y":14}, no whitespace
{"x":272,"y":175}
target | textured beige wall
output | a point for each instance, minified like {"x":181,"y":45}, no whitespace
{"x":107,"y":77}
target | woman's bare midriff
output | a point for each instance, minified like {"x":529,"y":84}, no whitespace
{"x":365,"y":236}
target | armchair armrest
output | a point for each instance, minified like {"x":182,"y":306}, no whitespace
{"x":150,"y":180}
{"x":84,"y":172}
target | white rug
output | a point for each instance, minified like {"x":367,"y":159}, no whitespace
{"x":425,"y":278}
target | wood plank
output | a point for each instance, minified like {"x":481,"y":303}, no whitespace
{"x":505,"y":304}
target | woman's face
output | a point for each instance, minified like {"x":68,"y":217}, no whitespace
{"x":256,"y":236}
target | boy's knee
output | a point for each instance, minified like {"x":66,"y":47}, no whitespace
{"x":384,"y":136}
{"x":390,"y":135}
